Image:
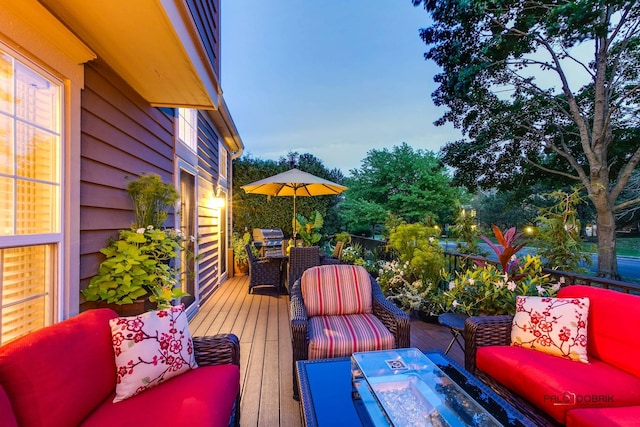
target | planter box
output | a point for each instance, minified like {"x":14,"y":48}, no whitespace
{"x":124,"y":310}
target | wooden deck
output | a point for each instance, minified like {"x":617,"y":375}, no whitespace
{"x":261,"y":322}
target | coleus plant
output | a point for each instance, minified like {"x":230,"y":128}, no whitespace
{"x":508,"y":245}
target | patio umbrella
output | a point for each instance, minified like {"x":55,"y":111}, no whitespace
{"x":294,"y":183}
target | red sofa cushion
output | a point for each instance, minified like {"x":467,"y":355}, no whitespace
{"x":7,"y":419}
{"x":57,"y":375}
{"x":612,"y":315}
{"x":557,"y":385}
{"x":201,"y":397}
{"x":628,"y":416}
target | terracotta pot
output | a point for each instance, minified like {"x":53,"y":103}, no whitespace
{"x":240,"y":269}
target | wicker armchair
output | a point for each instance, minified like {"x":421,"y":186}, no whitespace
{"x":335,"y":258}
{"x":218,"y":350}
{"x":391,"y":317}
{"x":263,"y":271}
{"x":299,"y":260}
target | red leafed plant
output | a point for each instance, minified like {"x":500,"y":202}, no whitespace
{"x":510,"y":243}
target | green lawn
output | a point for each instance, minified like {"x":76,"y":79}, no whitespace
{"x":625,"y":246}
{"x":628,"y":246}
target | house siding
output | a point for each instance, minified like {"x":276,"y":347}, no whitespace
{"x":208,"y":217}
{"x":122,"y":136}
{"x":206,"y":15}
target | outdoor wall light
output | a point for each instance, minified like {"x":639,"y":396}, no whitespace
{"x":216,"y":202}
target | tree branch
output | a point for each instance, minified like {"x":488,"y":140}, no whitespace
{"x":624,"y":175}
{"x":626,"y":204}
{"x":553,"y":171}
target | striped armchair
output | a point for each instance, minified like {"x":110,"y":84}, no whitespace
{"x":340,"y":309}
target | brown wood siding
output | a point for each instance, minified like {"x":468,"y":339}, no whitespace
{"x":122,"y":136}
{"x":206,"y":15}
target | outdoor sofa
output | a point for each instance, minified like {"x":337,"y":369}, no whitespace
{"x":65,"y":375}
{"x":554,"y":390}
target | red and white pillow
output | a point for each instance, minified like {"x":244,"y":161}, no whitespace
{"x":150,"y":349}
{"x":557,"y":326}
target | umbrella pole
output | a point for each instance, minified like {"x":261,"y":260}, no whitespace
{"x":293,"y":224}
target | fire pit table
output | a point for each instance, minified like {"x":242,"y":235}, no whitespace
{"x":330,"y":395}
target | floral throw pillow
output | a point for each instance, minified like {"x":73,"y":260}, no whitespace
{"x":150,"y":349}
{"x":557,"y":326}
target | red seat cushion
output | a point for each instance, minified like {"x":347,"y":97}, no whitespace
{"x":612,"y":315}
{"x":200,"y":397}
{"x":339,"y":336}
{"x":557,"y":385}
{"x":627,"y":416}
{"x":57,"y":375}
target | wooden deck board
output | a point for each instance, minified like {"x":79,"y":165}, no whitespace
{"x":261,"y":322}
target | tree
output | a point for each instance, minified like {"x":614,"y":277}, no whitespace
{"x":515,"y":82}
{"x":504,"y":209}
{"x":559,"y":240}
{"x":361,"y":216}
{"x":408,"y":183}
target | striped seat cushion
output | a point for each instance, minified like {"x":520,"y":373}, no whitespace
{"x":339,"y":336}
{"x":329,"y":290}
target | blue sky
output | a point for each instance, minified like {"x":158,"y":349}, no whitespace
{"x":331,"y":78}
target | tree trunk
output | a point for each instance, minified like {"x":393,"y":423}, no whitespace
{"x":605,"y":221}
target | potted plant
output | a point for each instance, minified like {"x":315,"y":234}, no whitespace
{"x":240,"y":256}
{"x":139,"y":263}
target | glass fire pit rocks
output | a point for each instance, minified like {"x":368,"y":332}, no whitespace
{"x":404,"y":387}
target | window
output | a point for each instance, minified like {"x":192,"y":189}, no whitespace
{"x":222,"y":159}
{"x":188,"y":127}
{"x":30,"y":194}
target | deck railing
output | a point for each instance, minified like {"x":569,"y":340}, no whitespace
{"x":457,"y":262}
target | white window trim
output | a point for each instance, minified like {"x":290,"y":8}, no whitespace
{"x":189,"y":116}
{"x":40,"y":38}
{"x":223,"y":165}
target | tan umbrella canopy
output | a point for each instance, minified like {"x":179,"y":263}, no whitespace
{"x":294,"y":183}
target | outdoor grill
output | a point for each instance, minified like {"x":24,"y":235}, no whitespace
{"x":268,"y":241}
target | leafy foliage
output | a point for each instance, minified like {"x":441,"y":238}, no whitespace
{"x":238,"y":244}
{"x":152,"y":200}
{"x":506,"y":209}
{"x":509,"y":244}
{"x":417,"y":246}
{"x":559,"y":239}
{"x":309,"y":229}
{"x":486,"y":289}
{"x":408,"y":183}
{"x":138,"y":264}
{"x":397,"y":284}
{"x":140,"y":261}
{"x":466,"y":230}
{"x":516,"y":82}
